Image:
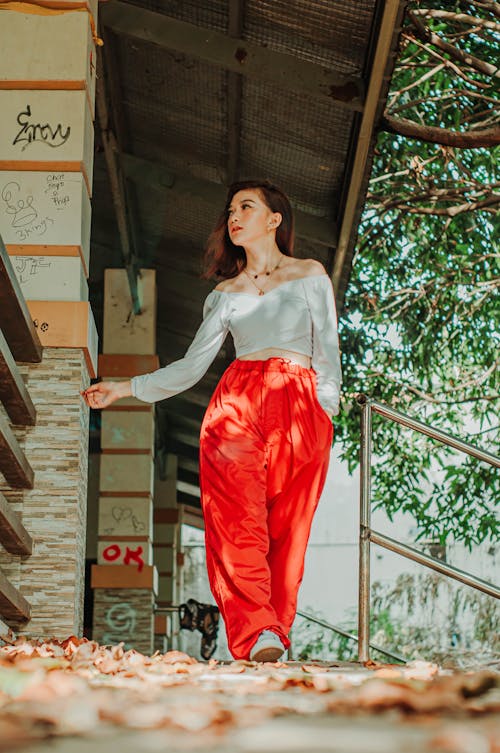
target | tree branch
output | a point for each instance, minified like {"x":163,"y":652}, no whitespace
{"x":461,"y":18}
{"x":437,"y":400}
{"x":490,"y":5}
{"x":446,"y":62}
{"x":426,"y":35}
{"x":434,"y":135}
{"x":452,"y":211}
{"x":442,"y":97}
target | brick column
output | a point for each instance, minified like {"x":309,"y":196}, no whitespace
{"x":54,"y":511}
{"x":46,"y":161}
{"x":167,"y":517}
{"x":125,"y":580}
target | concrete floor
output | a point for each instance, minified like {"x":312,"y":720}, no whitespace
{"x":282,"y":708}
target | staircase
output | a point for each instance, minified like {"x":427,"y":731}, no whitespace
{"x":18,"y":343}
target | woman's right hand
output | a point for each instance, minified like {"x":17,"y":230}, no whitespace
{"x":103,"y":394}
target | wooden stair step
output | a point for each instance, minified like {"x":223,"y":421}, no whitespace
{"x":13,"y":606}
{"x":15,"y":320}
{"x":13,"y":392}
{"x":13,"y":535}
{"x":13,"y":463}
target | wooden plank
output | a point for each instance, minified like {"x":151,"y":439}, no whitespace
{"x":124,"y":576}
{"x":13,"y":392}
{"x":13,"y":535}
{"x":192,"y":516}
{"x":188,"y":464}
{"x":6,"y":633}
{"x":126,"y":365}
{"x":190,"y":439}
{"x":13,"y":606}
{"x":13,"y":463}
{"x":67,"y":324}
{"x":161,"y":624}
{"x":237,"y":55}
{"x":15,"y":318}
{"x":188,"y":477}
{"x":188,"y":499}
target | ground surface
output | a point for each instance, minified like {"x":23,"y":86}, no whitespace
{"x":79,"y":697}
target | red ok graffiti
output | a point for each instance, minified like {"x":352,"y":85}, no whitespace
{"x":131,"y":556}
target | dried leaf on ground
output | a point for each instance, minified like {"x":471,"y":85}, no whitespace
{"x":76,"y":687}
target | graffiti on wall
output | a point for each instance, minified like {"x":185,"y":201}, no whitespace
{"x":124,"y":519}
{"x":120,"y":622}
{"x":25,"y":216}
{"x":31,"y":131}
{"x":124,"y":555}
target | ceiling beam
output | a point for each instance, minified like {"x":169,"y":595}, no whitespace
{"x":193,"y":517}
{"x":188,"y":499}
{"x":188,"y":464}
{"x":183,"y":452}
{"x":187,"y":438}
{"x":353,"y":202}
{"x":119,"y":120}
{"x":237,"y":55}
{"x":316,"y":229}
{"x":188,"y":477}
{"x":117,"y":184}
{"x":234,"y":96}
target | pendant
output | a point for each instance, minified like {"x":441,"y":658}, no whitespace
{"x":261,"y":292}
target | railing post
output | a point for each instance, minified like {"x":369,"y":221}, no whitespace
{"x":364,"y":530}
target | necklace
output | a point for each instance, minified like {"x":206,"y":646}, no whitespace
{"x":253,"y":277}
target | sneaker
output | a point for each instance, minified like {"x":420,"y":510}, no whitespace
{"x":268,"y":647}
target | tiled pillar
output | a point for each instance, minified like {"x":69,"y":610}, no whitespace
{"x":167,"y":517}
{"x":54,"y":511}
{"x":46,"y":160}
{"x":125,"y":579}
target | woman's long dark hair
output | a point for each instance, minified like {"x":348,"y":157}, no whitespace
{"x":222,"y":258}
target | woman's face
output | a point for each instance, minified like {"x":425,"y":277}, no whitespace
{"x":249,"y":218}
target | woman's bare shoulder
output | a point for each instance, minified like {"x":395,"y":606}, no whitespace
{"x":310,"y":268}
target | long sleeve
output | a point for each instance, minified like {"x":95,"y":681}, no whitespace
{"x":184,"y":373}
{"x":325,"y":354}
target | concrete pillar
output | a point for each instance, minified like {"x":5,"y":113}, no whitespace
{"x":168,"y":556}
{"x":125,"y":579}
{"x":46,"y":161}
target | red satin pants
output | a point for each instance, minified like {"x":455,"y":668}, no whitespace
{"x":264,"y":451}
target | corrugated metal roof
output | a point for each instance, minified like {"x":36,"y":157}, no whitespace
{"x":190,"y":113}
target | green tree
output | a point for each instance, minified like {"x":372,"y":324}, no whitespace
{"x":420,"y":328}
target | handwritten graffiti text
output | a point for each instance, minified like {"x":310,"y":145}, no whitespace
{"x":113,"y":552}
{"x":44,"y":132}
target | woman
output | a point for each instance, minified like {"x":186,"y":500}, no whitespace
{"x":266,"y":436}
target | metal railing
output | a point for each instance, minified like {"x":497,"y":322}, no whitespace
{"x":345,"y":634}
{"x":368,"y":535}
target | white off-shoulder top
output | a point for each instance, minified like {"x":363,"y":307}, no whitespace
{"x":298,"y":315}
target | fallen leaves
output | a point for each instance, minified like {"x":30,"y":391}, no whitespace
{"x":77,"y":687}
